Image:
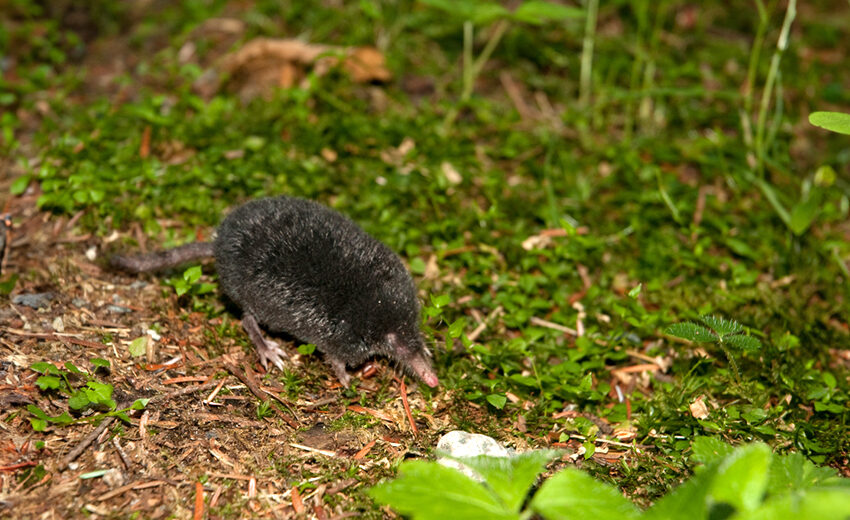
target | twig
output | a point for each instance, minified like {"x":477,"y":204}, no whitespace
{"x":364,"y":451}
{"x":199,"y":502}
{"x":261,"y":394}
{"x":121,"y":453}
{"x":483,"y":325}
{"x":326,"y":453}
{"x":636,"y":447}
{"x":403,"y":390}
{"x":88,"y":439}
{"x":552,"y":325}
{"x":123,"y":489}
{"x":214,"y":393}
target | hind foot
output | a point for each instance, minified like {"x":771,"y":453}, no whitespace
{"x":340,"y":371}
{"x":267,"y":350}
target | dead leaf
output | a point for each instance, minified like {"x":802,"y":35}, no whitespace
{"x":451,"y":173}
{"x":264,"y":63}
{"x":698,"y":408}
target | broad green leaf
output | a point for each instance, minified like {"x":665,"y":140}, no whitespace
{"x":35,"y":410}
{"x":73,"y":368}
{"x":832,"y":121}
{"x":710,"y":449}
{"x":192,"y":274}
{"x":689,"y":500}
{"x":63,"y":418}
{"x":181,"y":287}
{"x":511,"y":477}
{"x":691,"y":332}
{"x":48,"y":382}
{"x":38,"y":424}
{"x":589,"y":449}
{"x":741,"y":479}
{"x":498,"y":401}
{"x":254,"y":142}
{"x":721,"y":325}
{"x":441,"y":300}
{"x":8,"y":285}
{"x":538,"y":12}
{"x":572,"y":494}
{"x":79,"y":400}
{"x":825,"y":176}
{"x":477,"y":11}
{"x":417,"y":265}
{"x":456,"y":328}
{"x":139,"y":404}
{"x":306,"y":349}
{"x":821,"y":504}
{"x":745,"y":343}
{"x":793,"y":472}
{"x":586,"y":383}
{"x":635,"y":292}
{"x":803,"y":214}
{"x":122,"y":416}
{"x":427,"y":490}
{"x":100,"y":363}
{"x":138,"y":346}
{"x":99,"y":392}
{"x":19,"y":185}
{"x":45,"y":368}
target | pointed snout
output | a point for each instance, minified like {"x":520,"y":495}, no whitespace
{"x":421,"y":366}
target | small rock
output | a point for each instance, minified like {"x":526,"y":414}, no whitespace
{"x":462,"y":444}
{"x":138,"y":284}
{"x":119,"y":309}
{"x":34,"y":300}
{"x":79,"y":303}
{"x":91,"y":253}
{"x":58,"y":325}
{"x":113,"y":478}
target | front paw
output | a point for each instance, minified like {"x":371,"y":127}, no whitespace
{"x":271,"y":353}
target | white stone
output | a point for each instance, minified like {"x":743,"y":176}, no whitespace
{"x":462,"y":444}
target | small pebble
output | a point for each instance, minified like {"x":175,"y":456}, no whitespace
{"x":79,"y":303}
{"x":34,"y":300}
{"x":91,"y":253}
{"x":119,"y":309}
{"x":462,"y":444}
{"x":58,"y":325}
{"x":114,"y":478}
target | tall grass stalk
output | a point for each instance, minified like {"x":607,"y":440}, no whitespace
{"x":585,"y":77}
{"x":767,"y":93}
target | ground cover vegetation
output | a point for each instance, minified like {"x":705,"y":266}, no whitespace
{"x":630,"y":240}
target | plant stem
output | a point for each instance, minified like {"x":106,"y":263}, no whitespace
{"x":587,"y":53}
{"x":498,"y":31}
{"x":732,"y":362}
{"x":468,"y":41}
{"x":767,"y":93}
{"x":471,"y":72}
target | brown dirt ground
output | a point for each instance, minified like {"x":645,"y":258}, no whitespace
{"x":184,"y":443}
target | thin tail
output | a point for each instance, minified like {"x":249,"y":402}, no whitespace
{"x":160,"y":260}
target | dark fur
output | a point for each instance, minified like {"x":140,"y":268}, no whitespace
{"x":302,"y":268}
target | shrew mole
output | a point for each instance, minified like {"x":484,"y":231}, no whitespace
{"x":295,"y":266}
